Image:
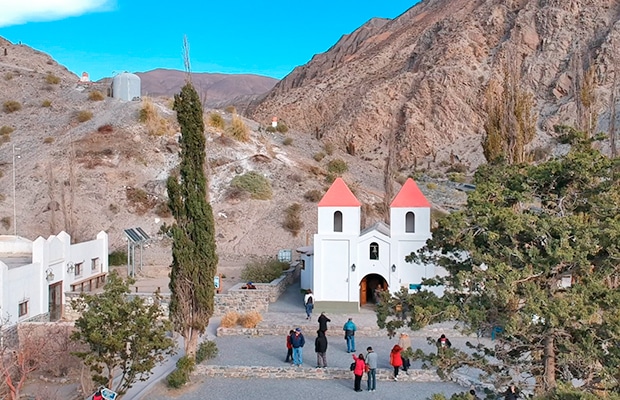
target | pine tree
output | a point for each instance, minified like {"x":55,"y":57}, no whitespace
{"x":536,"y":253}
{"x":194,"y":257}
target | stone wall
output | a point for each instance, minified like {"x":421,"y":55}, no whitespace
{"x":246,"y":300}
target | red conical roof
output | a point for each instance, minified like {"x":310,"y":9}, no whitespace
{"x":339,"y":195}
{"x":410,"y":195}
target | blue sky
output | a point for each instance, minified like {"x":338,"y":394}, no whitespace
{"x":104,"y":37}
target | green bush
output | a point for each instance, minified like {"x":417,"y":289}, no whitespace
{"x":313,"y":195}
{"x":287,"y":141}
{"x":270,"y":129}
{"x":12,"y":106}
{"x":216,"y":121}
{"x":206,"y":351}
{"x":180,"y":376}
{"x":263,"y":271}
{"x":431,"y":186}
{"x":292,"y":220}
{"x":117,"y":257}
{"x":456,"y":177}
{"x":282,"y":128}
{"x":238,"y":130}
{"x":52,"y":79}
{"x":337,"y":166}
{"x":254,"y":183}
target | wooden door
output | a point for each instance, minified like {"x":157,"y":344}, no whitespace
{"x":363,"y":290}
{"x":55,"y":301}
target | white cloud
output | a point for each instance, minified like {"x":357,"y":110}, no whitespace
{"x":15,"y":12}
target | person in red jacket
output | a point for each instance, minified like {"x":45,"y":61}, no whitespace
{"x":289,"y":347}
{"x":97,"y":395}
{"x":358,"y":371}
{"x":396,"y":360}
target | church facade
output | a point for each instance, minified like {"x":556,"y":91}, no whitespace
{"x":346,"y":265}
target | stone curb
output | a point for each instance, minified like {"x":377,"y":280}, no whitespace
{"x":290,"y":372}
{"x":282,"y":330}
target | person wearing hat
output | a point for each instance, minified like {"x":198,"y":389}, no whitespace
{"x":298,"y":341}
{"x":323,"y":320}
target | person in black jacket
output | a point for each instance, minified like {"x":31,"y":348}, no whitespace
{"x":323,"y":320}
{"x":511,"y":393}
{"x":320,"y":347}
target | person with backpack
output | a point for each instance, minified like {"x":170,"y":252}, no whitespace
{"x":358,"y":371}
{"x":309,"y":303}
{"x":349,"y":329}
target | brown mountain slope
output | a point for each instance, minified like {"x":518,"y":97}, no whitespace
{"x":215,"y":89}
{"x":421,"y":77}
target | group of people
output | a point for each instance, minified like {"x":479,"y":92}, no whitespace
{"x":295,"y":342}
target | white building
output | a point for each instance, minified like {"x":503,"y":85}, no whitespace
{"x":34,"y":276}
{"x":345,"y":265}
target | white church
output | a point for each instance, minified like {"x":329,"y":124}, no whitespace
{"x":345,"y":265}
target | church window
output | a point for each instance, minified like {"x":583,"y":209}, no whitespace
{"x":410,"y":222}
{"x":374,"y":251}
{"x":338,"y":221}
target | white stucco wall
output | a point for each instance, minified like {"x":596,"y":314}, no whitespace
{"x":350,"y":220}
{"x":331,"y":280}
{"x":422,"y":226}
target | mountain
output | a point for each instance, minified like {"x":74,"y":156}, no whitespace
{"x":419,"y":81}
{"x":217,"y":90}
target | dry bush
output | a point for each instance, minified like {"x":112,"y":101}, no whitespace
{"x":287,"y":141}
{"x":107,"y":128}
{"x":457,"y":167}
{"x":401,"y":179}
{"x":313,"y":195}
{"x":292,"y":219}
{"x":46,"y":103}
{"x":96,"y":95}
{"x":235,"y":194}
{"x":225,"y":141}
{"x":229,"y":319}
{"x":337,"y":166}
{"x":329,"y":148}
{"x":319,"y":156}
{"x":296,"y":178}
{"x":12,"y":106}
{"x":83,"y":116}
{"x":250,"y":320}
{"x":8,"y":76}
{"x":162,"y":210}
{"x":140,"y":200}
{"x":431,"y":186}
{"x":48,"y":140}
{"x":5,"y":222}
{"x":6,"y":130}
{"x":238,"y":129}
{"x":216,"y":121}
{"x":155,"y":124}
{"x":52,"y":79}
{"x":231,"y":109}
{"x":282,"y":128}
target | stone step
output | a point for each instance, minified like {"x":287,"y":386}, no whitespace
{"x":307,"y":372}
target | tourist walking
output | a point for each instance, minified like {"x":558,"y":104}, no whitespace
{"x":298,"y":341}
{"x":405,"y":344}
{"x":309,"y":303}
{"x":289,"y":347}
{"x":396,"y":360}
{"x":371,"y":363}
{"x":323,"y":320}
{"x":358,"y":371}
{"x":349,"y":329}
{"x":320,"y":347}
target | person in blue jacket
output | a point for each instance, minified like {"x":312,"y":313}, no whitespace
{"x":349,"y":329}
{"x":298,"y":341}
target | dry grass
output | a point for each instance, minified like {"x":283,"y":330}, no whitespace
{"x":292,"y":219}
{"x":48,"y":140}
{"x":216,"y":121}
{"x":155,"y":124}
{"x":46,"y":103}
{"x":229,"y":319}
{"x":250,"y":320}
{"x":52,"y":79}
{"x":84,"y":116}
{"x":11,"y":106}
{"x":238,"y":129}
{"x":96,"y":95}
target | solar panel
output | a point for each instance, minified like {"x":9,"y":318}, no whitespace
{"x":144,"y":234}
{"x":133,"y":235}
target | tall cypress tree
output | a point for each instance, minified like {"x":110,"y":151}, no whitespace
{"x":194,"y":257}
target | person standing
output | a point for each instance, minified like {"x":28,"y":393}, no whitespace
{"x":323,"y":320}
{"x":358,"y":371}
{"x":511,"y":393}
{"x":309,"y":303}
{"x":443,"y":343}
{"x":405,"y":343}
{"x":396,"y":360}
{"x":371,"y":362}
{"x":298,"y":341}
{"x":289,"y":347}
{"x":98,"y":395}
{"x":320,"y":347}
{"x":349,"y":329}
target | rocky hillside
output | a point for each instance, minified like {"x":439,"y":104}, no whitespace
{"x":421,"y":78}
{"x":84,"y":163}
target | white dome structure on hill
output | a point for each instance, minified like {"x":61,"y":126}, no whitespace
{"x":126,"y":87}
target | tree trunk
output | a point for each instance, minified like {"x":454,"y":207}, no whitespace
{"x":191,"y":343}
{"x":549,"y":378}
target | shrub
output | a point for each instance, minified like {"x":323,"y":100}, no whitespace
{"x":282,"y":128}
{"x":230,"y":109}
{"x":329,"y":148}
{"x":206,"y":351}
{"x":107,"y":128}
{"x":319,"y":156}
{"x":46,"y":103}
{"x":313,"y":195}
{"x":337,"y":166}
{"x":456,"y":177}
{"x":254,"y":183}
{"x":84,"y":116}
{"x":8,"y":76}
{"x":117,"y":257}
{"x":458,"y":167}
{"x":431,"y":186}
{"x":140,"y":200}
{"x":238,"y":130}
{"x":263,"y":271}
{"x":292,"y":220}
{"x":287,"y":141}
{"x":229,"y":319}
{"x":180,"y":376}
{"x":5,"y":222}
{"x":270,"y":129}
{"x":251,"y":319}
{"x":216,"y":121}
{"x":6,"y":130}
{"x":96,"y":95}
{"x":155,"y":124}
{"x":52,"y":79}
{"x":12,"y":106}
{"x":162,"y":210}
{"x":48,"y":140}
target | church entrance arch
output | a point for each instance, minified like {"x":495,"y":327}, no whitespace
{"x":368,"y":287}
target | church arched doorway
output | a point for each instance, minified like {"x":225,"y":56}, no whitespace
{"x":369,"y":286}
